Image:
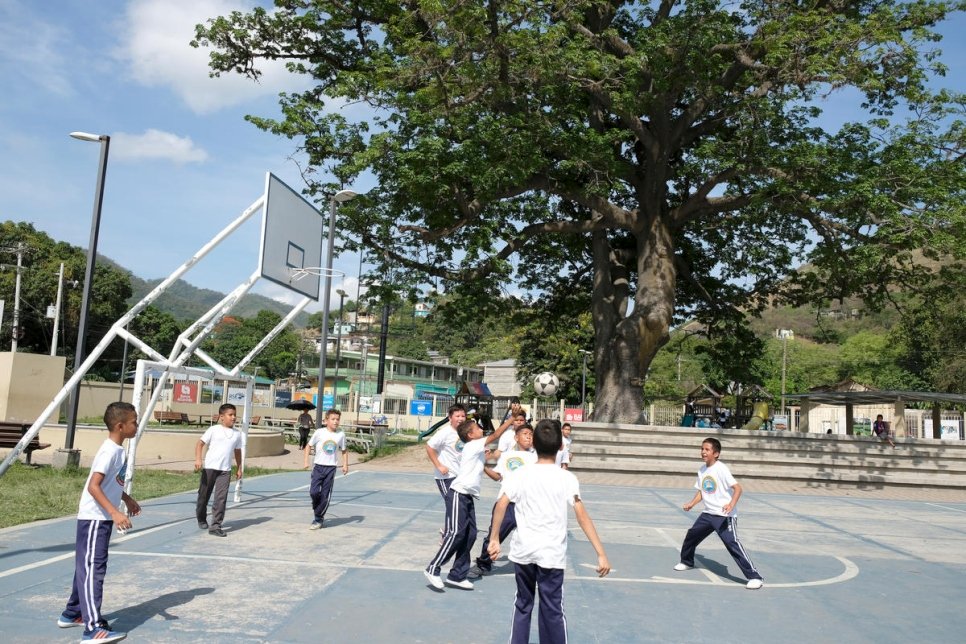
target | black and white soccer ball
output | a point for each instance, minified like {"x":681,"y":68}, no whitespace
{"x":546,"y":384}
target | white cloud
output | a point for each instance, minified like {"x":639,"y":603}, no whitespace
{"x":155,"y":46}
{"x":155,"y":144}
{"x":33,"y":49}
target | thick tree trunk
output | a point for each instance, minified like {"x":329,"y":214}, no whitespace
{"x":625,"y":343}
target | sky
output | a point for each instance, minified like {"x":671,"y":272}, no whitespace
{"x":183,"y":161}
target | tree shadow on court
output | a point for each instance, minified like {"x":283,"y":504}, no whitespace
{"x":719,"y":569}
{"x":132,"y":617}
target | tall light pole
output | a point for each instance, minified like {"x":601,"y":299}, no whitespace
{"x":338,"y":351}
{"x":583,"y":386}
{"x":784,"y":334}
{"x":340,"y":197}
{"x":105,"y":142}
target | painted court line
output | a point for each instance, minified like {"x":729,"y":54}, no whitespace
{"x":946,"y":507}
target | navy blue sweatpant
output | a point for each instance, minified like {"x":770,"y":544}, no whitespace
{"x":727,"y":529}
{"x":509,"y":525}
{"x":552,"y":623}
{"x":90,"y":566}
{"x":458,"y":536}
{"x":320,"y":489}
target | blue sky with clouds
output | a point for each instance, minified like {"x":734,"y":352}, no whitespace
{"x":183,"y":162}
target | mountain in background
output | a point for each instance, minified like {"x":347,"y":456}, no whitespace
{"x":187,"y":302}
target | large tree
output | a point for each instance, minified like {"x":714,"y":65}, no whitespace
{"x":665,"y":157}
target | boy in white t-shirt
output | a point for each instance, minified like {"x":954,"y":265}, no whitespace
{"x":327,"y":441}
{"x":720,"y":492}
{"x":443,"y":451}
{"x":460,"y":532}
{"x":541,"y":494}
{"x":97,"y":515}
{"x":508,"y":440}
{"x":509,"y":464}
{"x":222,"y":441}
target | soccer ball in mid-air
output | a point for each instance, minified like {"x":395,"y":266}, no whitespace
{"x":546,"y":384}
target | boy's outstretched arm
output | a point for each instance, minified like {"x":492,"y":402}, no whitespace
{"x":693,"y":502}
{"x":499,"y":510}
{"x":499,"y":431}
{"x":587,"y":525}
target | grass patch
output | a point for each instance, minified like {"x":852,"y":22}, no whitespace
{"x":31,"y":493}
{"x":391,"y":447}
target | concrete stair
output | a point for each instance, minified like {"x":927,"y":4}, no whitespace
{"x":831,"y":460}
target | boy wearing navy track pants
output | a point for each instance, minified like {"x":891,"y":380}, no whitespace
{"x":459,"y":534}
{"x":97,"y":516}
{"x":328,"y":441}
{"x":720,"y":492}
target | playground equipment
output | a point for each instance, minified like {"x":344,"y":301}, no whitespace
{"x":758,"y":417}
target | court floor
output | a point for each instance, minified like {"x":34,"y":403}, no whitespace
{"x":837,"y":569}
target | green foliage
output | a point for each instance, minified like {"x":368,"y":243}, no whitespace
{"x":664,"y":158}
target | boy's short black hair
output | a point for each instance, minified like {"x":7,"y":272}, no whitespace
{"x":455,"y":408}
{"x":333,"y":412}
{"x":463,"y":431}
{"x":116,"y":412}
{"x":514,"y":400}
{"x":714,"y":443}
{"x":226,"y":407}
{"x":547,"y":438}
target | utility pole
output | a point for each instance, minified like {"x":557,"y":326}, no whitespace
{"x":784,"y":334}
{"x":60,"y":294}
{"x":16,"y":301}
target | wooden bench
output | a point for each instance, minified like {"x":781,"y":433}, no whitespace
{"x":11,"y":433}
{"x":171,"y":417}
{"x":352,"y":438}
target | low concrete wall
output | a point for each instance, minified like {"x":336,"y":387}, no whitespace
{"x":160,"y":445}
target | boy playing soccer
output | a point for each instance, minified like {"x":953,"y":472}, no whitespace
{"x":460,"y":532}
{"x":326,"y":441}
{"x":538,"y":546}
{"x":720,"y":492}
{"x":511,"y":462}
{"x":97,"y":515}
{"x":222,"y":440}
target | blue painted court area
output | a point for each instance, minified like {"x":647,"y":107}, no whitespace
{"x":837,"y":569}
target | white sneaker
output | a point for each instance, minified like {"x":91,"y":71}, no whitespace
{"x":754,"y":584}
{"x":682,"y":566}
{"x":433,"y":580}
{"x":466,"y":584}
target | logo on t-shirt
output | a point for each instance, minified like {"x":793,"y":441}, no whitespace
{"x":709,"y":485}
{"x":121,"y":475}
{"x":459,"y":445}
{"x":514,"y":463}
{"x":329,"y":446}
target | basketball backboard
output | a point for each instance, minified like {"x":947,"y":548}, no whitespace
{"x":291,"y":239}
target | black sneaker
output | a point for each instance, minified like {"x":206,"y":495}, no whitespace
{"x":218,"y":532}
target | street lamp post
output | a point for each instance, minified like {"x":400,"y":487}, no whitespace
{"x":583,"y":386}
{"x":784,"y":334}
{"x":338,"y":351}
{"x":340,"y":197}
{"x":105,"y":142}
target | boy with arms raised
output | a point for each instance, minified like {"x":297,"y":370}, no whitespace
{"x":720,"y":492}
{"x":541,"y":494}
{"x":327,"y":441}
{"x":97,"y":515}
{"x":512,"y":461}
{"x":459,"y":534}
{"x":222,"y":441}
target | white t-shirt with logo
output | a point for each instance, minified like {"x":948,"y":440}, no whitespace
{"x":542,"y":495}
{"x":109,"y":461}
{"x":471,"y":468}
{"x":222,"y":442}
{"x":508,"y":439}
{"x":327,"y":445}
{"x":448,"y":446}
{"x":512,"y":462}
{"x":716,"y":483}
